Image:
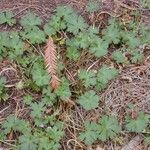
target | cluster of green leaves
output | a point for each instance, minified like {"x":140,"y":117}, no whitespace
{"x":131,"y":40}
{"x":99,"y":81}
{"x":41,"y":138}
{"x":62,"y":20}
{"x":15,"y":124}
{"x":106,"y":128}
{"x":18,"y":46}
{"x":11,"y":45}
{"x":32,"y":32}
{"x":42,"y":79}
{"x":137,"y":56}
{"x":85,"y":37}
{"x":89,"y":39}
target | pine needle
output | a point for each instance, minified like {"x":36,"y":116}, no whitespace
{"x":51,"y":63}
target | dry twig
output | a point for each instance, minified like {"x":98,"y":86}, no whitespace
{"x":134,"y":143}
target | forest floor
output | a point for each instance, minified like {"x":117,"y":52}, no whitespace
{"x":131,"y":86}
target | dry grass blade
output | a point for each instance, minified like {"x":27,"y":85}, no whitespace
{"x":51,"y":63}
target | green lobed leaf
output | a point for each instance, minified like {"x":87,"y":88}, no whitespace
{"x":28,"y":99}
{"x":130,"y":39}
{"x":119,"y":57}
{"x":40,"y":75}
{"x":64,"y":12}
{"x":88,"y":77}
{"x":64,"y":91}
{"x":54,"y":25}
{"x":76,"y":24}
{"x":7,"y":17}
{"x":89,"y":100}
{"x":37,"y":109}
{"x":92,"y":6}
{"x":34,"y":35}
{"x":89,"y":136}
{"x":108,"y":128}
{"x":105,"y":74}
{"x":112,"y":33}
{"x":27,"y":142}
{"x":3,"y":90}
{"x":138,"y":124}
{"x":73,"y":53}
{"x":99,"y":47}
{"x":16,"y":45}
{"x":30,"y":20}
{"x":16,"y":124}
{"x":137,"y":56}
{"x":48,"y":97}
